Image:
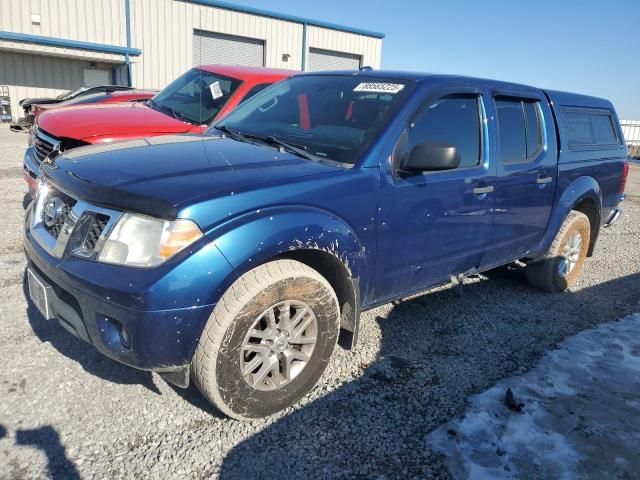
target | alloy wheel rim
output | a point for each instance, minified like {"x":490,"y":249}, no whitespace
{"x":570,"y":254}
{"x":279,"y":345}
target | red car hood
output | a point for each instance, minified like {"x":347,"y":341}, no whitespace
{"x":86,"y":121}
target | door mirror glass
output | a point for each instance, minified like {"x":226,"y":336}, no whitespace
{"x":432,"y":156}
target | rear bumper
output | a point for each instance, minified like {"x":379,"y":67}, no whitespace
{"x":159,"y":340}
{"x":615,"y":213}
{"x":614,"y":216}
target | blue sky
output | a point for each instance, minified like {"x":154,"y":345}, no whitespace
{"x":587,"y":46}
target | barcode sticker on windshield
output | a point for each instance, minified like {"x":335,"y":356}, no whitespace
{"x":216,"y":91}
{"x":372,"y":87}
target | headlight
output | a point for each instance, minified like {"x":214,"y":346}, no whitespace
{"x":42,"y":188}
{"x":141,"y":241}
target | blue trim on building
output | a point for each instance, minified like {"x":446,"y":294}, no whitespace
{"x":304,"y":47}
{"x":62,"y":42}
{"x":290,"y":18}
{"x":127,"y":59}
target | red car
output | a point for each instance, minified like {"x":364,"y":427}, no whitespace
{"x":101,"y":98}
{"x":187,"y":105}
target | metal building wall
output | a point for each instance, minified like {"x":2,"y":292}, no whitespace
{"x":96,"y":21}
{"x":39,"y":76}
{"x":163,"y":29}
{"x":369,"y":48}
{"x":44,"y":70}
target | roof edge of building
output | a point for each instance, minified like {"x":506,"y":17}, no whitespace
{"x":283,"y":16}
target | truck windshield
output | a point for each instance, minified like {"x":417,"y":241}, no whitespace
{"x":333,"y":117}
{"x":196,"y":96}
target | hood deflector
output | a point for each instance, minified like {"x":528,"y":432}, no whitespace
{"x":108,"y":197}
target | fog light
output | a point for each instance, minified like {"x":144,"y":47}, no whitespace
{"x":124,"y":337}
{"x":113,"y":333}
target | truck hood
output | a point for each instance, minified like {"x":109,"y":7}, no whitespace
{"x":86,"y":121}
{"x":159,"y":176}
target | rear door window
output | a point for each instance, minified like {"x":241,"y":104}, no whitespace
{"x":520,"y":129}
{"x":513,"y":138}
{"x":534,"y":129}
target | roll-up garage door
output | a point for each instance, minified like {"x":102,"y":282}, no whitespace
{"x":209,"y":47}
{"x":330,"y":60}
{"x":29,"y":75}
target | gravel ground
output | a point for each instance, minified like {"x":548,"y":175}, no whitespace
{"x":68,"y":412}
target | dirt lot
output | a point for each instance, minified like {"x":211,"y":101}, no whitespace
{"x":68,"y":412}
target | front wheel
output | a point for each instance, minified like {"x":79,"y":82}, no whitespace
{"x":562,"y":265}
{"x":268,"y":340}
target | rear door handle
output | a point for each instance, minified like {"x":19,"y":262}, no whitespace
{"x":483,"y":190}
{"x":544,"y":180}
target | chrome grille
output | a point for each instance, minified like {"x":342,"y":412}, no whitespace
{"x":96,"y":228}
{"x":61,"y":223}
{"x":57,"y":207}
{"x":43,"y":145}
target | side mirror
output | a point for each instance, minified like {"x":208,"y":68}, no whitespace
{"x":431,"y":156}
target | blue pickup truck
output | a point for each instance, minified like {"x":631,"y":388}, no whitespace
{"x":240,"y":258}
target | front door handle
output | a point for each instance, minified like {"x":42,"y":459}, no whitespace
{"x":544,"y":180}
{"x":483,"y":190}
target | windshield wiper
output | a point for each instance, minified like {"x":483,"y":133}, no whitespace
{"x":299,"y":150}
{"x":174,"y":113}
{"x":178,"y":116}
{"x":234,"y":134}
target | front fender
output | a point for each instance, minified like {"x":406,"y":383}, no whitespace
{"x":582,"y":188}
{"x":255,"y":238}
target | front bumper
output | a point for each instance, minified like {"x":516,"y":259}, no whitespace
{"x":30,"y":171}
{"x":162,"y":340}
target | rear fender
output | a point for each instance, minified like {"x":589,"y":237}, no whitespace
{"x":582,"y":188}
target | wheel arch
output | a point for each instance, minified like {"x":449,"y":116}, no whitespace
{"x":313,"y":237}
{"x":346,"y":288}
{"x":584,"y":195}
{"x":590,"y":207}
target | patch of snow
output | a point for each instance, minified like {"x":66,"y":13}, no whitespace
{"x":581,"y":415}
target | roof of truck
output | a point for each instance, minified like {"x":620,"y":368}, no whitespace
{"x":421,"y":77}
{"x":568,"y":99}
{"x":246,"y":73}
{"x":561,"y":98}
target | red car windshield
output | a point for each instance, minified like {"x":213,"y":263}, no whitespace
{"x":71,"y":93}
{"x":196,"y":96}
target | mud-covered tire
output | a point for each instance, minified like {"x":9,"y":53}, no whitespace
{"x":547,"y":273}
{"x":221,"y":354}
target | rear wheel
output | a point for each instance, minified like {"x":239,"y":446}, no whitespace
{"x":268,"y":340}
{"x":562,"y":265}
